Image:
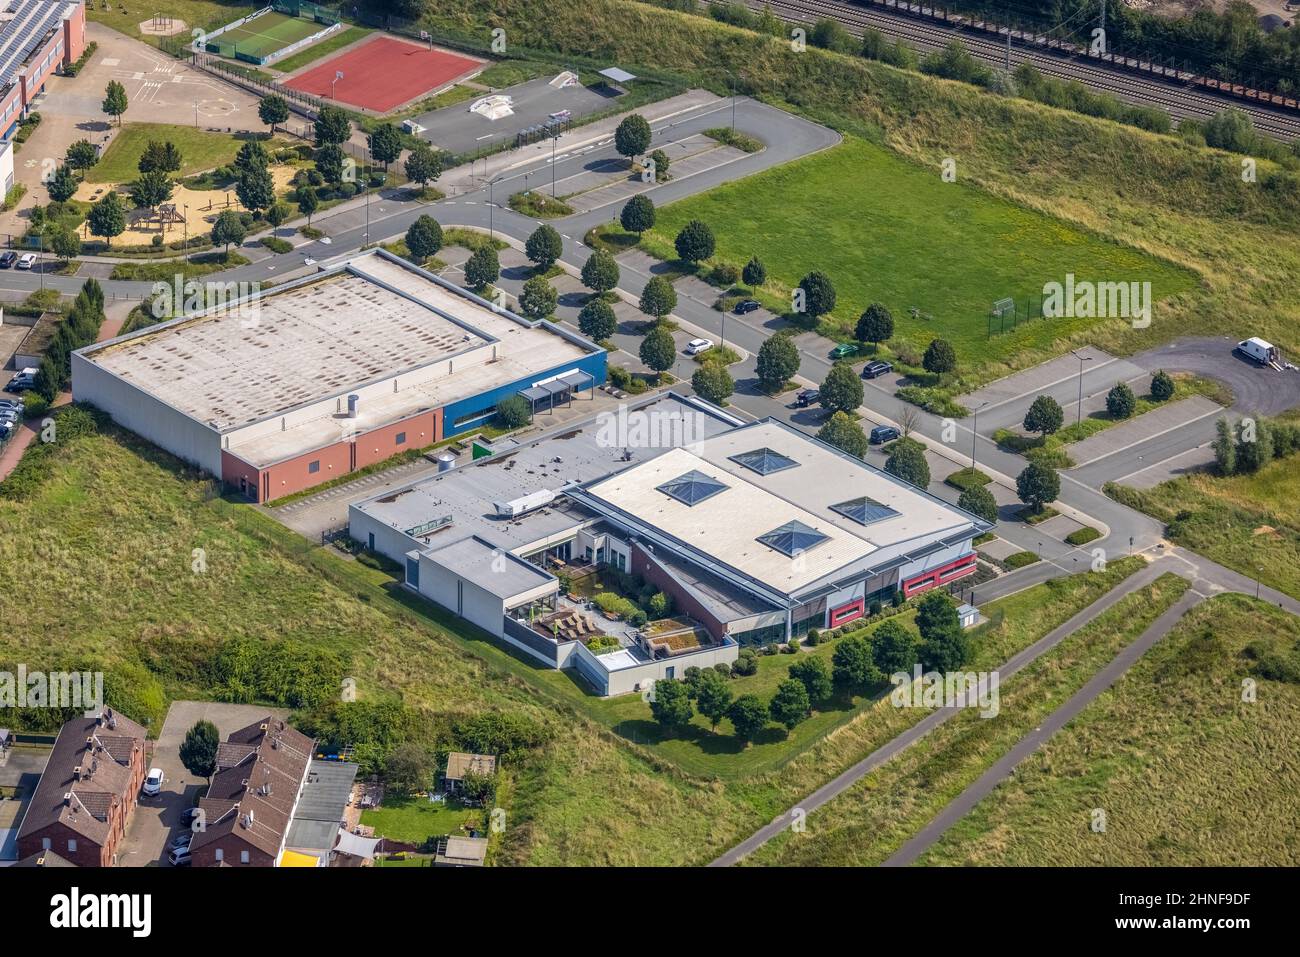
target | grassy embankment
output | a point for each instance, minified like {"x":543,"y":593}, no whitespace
{"x":1187,"y":771}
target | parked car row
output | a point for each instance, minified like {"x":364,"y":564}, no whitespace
{"x":9,"y":258}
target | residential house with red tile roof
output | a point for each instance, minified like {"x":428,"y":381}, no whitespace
{"x":87,"y":792}
{"x":250,"y":803}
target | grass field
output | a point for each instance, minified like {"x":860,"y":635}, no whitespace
{"x":264,"y":35}
{"x":1015,"y":622}
{"x":200,"y":150}
{"x":878,"y":814}
{"x":1247,"y":522}
{"x":888,"y":231}
{"x":331,"y":44}
{"x":1187,"y":772}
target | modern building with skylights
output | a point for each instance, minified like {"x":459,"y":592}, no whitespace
{"x":763,"y":532}
{"x":757,"y":532}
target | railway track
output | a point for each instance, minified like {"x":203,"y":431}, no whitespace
{"x":1177,"y":99}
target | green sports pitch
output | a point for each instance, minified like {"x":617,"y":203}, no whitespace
{"x":264,"y":35}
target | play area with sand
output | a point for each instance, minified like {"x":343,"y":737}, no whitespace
{"x":189,"y":210}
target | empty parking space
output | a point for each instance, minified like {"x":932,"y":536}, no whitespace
{"x":1193,"y":460}
{"x":1159,"y":421}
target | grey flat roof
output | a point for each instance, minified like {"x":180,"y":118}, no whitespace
{"x":369,"y":319}
{"x":326,"y":791}
{"x":617,"y":75}
{"x":314,"y":837}
{"x":489,"y":567}
{"x":466,"y":493}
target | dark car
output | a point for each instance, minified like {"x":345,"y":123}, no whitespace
{"x":875,"y":368}
{"x":746,"y":305}
{"x":884,"y":433}
{"x":8,"y":258}
{"x":807,"y":397}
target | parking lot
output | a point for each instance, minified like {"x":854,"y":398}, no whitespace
{"x":156,"y":819}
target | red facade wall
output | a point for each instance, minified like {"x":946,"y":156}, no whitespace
{"x":955,"y":569}
{"x":846,"y":613}
{"x":340,"y":458}
{"x":74,"y":35}
{"x":231,"y":846}
{"x":421,"y":430}
{"x":88,"y":853}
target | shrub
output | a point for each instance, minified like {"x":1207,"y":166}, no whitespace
{"x":1162,"y":386}
{"x":940,"y":357}
{"x":724,"y":274}
{"x":744,"y":665}
{"x":1082,"y":536}
{"x":1120,"y":401}
{"x":513,"y":412}
{"x":1020,"y":560}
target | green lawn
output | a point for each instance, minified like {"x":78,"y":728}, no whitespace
{"x":891,"y":231}
{"x":331,"y":44}
{"x":879,"y":813}
{"x":413,"y":820}
{"x":200,"y":150}
{"x":1186,"y":771}
{"x":200,"y":14}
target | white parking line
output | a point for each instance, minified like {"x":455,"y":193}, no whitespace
{"x":1172,"y":428}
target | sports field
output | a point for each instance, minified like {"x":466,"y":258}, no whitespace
{"x":383,"y":73}
{"x":266,"y":34}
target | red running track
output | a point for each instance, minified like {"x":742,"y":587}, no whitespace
{"x":383,"y":73}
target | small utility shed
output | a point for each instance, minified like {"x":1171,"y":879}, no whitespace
{"x":459,"y":763}
{"x":462,"y":852}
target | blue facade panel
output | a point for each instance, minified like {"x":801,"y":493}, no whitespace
{"x":470,"y":413}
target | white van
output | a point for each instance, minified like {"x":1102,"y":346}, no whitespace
{"x":1257,"y":350}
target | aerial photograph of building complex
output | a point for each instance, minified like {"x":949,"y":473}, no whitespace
{"x":651,"y":434}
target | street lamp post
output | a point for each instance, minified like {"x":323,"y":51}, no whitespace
{"x":1259,"y":570}
{"x":1082,"y":360}
{"x":185,"y":243}
{"x":975,"y":433}
{"x":554,"y":139}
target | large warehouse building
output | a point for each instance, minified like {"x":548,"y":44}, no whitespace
{"x":755,"y":532}
{"x":333,"y":373}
